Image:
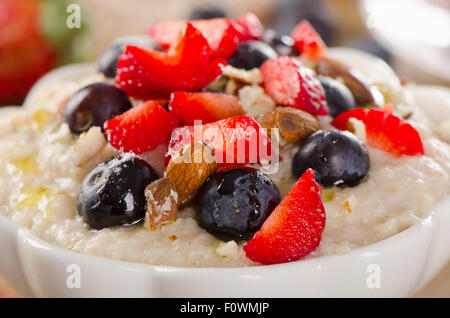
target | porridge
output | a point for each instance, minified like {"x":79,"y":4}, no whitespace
{"x":60,"y":180}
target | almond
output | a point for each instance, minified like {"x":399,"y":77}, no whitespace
{"x":335,"y":69}
{"x":294,"y":124}
{"x":162,"y":206}
{"x":189,"y":169}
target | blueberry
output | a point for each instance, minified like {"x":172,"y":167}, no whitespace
{"x":282,"y":44}
{"x":234,"y":204}
{"x":337,"y":157}
{"x":107,"y":61}
{"x":93,"y":105}
{"x":251,"y":54}
{"x":206,"y":13}
{"x":113,"y":192}
{"x":339,"y":97}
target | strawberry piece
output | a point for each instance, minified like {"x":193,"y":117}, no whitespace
{"x":384,"y":131}
{"x":249,"y":27}
{"x":141,"y":128}
{"x":291,"y":84}
{"x":235,"y":141}
{"x":187,"y":66}
{"x":204,"y":106}
{"x":294,"y":229}
{"x":220,"y":33}
{"x":308,"y":42}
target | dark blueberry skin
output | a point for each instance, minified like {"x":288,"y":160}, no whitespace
{"x":282,"y":44}
{"x":337,"y":157}
{"x":93,"y":105}
{"x":251,"y":54}
{"x":113,"y":192}
{"x":339,"y":97}
{"x":206,"y":13}
{"x":107,"y":61}
{"x":234,"y":204}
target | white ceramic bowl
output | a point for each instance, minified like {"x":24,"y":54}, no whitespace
{"x":402,"y":264}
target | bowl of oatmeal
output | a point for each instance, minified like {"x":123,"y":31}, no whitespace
{"x":355,"y":193}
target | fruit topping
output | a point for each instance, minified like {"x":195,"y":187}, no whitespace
{"x":94,"y":104}
{"x":162,"y":203}
{"x":221,"y":34}
{"x":282,"y":44}
{"x":294,"y":124}
{"x":384,"y":131}
{"x":337,"y":157}
{"x":234,"y":204}
{"x":249,"y":27}
{"x":141,"y":128}
{"x":294,"y":229}
{"x":339,"y":97}
{"x":335,"y":69}
{"x":113,"y":192}
{"x":235,"y":140}
{"x":107,"y":61}
{"x":251,"y":54}
{"x":308,"y":42}
{"x":187,"y":66}
{"x":204,"y":106}
{"x":291,"y":84}
{"x":189,"y":168}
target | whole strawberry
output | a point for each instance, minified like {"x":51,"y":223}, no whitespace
{"x":33,"y":36}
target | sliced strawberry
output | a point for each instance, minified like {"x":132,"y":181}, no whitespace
{"x":236,"y":140}
{"x":220,"y":33}
{"x":203,"y":106}
{"x":186,"y":66}
{"x":308,"y":42}
{"x":384,"y":131}
{"x":141,"y":128}
{"x":291,"y":84}
{"x":294,"y":229}
{"x":249,"y":27}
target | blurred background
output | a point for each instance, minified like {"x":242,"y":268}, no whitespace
{"x":413,"y":36}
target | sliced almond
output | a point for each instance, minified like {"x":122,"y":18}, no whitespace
{"x":335,"y":69}
{"x":253,"y":76}
{"x":162,"y":205}
{"x":294,"y":124}
{"x":189,"y":169}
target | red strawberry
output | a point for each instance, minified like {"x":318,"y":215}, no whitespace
{"x":294,"y":229}
{"x":141,"y":128}
{"x":384,"y":131}
{"x":236,"y":140}
{"x":204,"y":106}
{"x":308,"y":42}
{"x":292,"y":84}
{"x":186,"y":66}
{"x":220,"y":33}
{"x":249,"y":27}
{"x":25,"y":54}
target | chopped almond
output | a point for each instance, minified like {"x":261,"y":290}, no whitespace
{"x":189,"y":169}
{"x":162,"y":206}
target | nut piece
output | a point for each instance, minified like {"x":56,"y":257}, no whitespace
{"x":254,"y":100}
{"x":189,"y":169}
{"x":253,"y":76}
{"x":335,"y":69}
{"x":162,"y":206}
{"x":89,"y":143}
{"x":294,"y":124}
